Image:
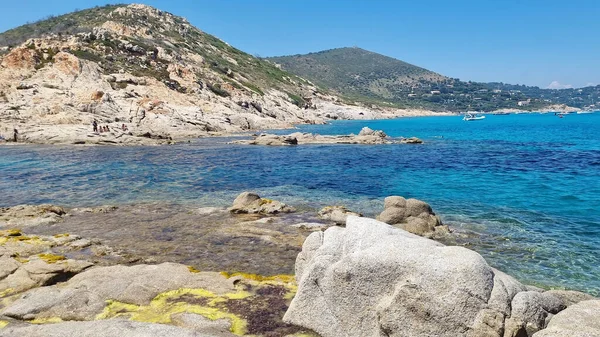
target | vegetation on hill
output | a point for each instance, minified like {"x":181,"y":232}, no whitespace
{"x":363,"y":76}
{"x":151,"y":36}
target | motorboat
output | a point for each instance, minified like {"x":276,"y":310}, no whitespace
{"x":471,"y":117}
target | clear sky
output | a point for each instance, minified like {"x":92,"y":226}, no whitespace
{"x":533,"y":42}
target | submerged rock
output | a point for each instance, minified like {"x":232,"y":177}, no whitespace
{"x":336,"y":214}
{"x":412,"y":215}
{"x":251,"y":203}
{"x":371,"y":279}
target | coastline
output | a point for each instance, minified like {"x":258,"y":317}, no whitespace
{"x":163,"y":134}
{"x":138,"y":245}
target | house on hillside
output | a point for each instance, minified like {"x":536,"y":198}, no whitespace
{"x":524,"y":103}
{"x":435,"y":92}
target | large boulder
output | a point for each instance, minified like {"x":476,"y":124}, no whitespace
{"x":412,"y":215}
{"x":336,"y":214}
{"x":251,"y":203}
{"x":579,"y":320}
{"x":371,"y":279}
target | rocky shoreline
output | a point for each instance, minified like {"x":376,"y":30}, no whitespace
{"x":237,"y":271}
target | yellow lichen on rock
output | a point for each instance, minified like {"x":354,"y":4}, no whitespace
{"x":264,"y":201}
{"x":3,"y":324}
{"x":46,"y":320}
{"x":51,"y":258}
{"x":15,"y":235}
{"x":287,"y":281}
{"x":65,"y":235}
{"x":165,"y":305}
{"x":6,"y":292}
{"x":193,"y":270}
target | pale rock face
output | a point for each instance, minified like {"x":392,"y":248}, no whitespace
{"x":137,"y":285}
{"x":370,"y":279}
{"x":578,"y":320}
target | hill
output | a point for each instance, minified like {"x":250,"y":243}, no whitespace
{"x":364,"y":76}
{"x":359,"y":73}
{"x":144,"y":67}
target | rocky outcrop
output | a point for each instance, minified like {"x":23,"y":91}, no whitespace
{"x":29,"y":215}
{"x":579,"y":320}
{"x":368,"y":137}
{"x":412,"y":215}
{"x":371,"y":279}
{"x":336,"y":214}
{"x":367,"y":131}
{"x":251,"y":203}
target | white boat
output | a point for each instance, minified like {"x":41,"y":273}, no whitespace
{"x":471,"y":117}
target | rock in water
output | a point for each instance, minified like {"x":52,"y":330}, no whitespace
{"x":336,"y":214}
{"x":251,"y":203}
{"x":367,"y":131}
{"x":412,"y":215}
{"x":371,"y":279}
{"x":411,"y":140}
{"x":579,"y":320}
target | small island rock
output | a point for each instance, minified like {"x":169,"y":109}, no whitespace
{"x":252,"y":203}
{"x":412,"y":215}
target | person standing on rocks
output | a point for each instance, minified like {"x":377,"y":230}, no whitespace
{"x":15,"y":134}
{"x":95,"y":126}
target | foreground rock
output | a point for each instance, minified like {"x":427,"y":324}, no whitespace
{"x":371,"y":279}
{"x":412,"y":215}
{"x":579,"y":320}
{"x":336,"y":214}
{"x":121,"y":328}
{"x":251,"y":203}
{"x":30,"y":261}
{"x":210,"y":303}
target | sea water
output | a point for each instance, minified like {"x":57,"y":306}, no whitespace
{"x":522,"y":190}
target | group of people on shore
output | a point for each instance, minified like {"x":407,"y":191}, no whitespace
{"x":100,"y":129}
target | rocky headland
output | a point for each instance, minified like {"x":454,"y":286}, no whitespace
{"x":148,"y":270}
{"x":149,"y":77}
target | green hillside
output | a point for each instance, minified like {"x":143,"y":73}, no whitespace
{"x":363,"y":76}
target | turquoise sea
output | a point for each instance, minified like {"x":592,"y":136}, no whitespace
{"x":523,"y":190}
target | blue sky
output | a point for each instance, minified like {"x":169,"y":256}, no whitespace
{"x":531,"y":42}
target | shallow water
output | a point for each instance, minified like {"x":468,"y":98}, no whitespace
{"x":527,"y":185}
